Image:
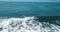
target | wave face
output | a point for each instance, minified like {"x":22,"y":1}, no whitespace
{"x":27,"y":24}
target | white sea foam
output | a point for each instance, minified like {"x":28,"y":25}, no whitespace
{"x":27,"y":24}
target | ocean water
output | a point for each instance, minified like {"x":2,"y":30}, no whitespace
{"x":29,"y":16}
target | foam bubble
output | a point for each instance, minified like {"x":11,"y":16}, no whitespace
{"x":27,"y":24}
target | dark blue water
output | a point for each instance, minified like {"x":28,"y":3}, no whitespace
{"x":18,"y":9}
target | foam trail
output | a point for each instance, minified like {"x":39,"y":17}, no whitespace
{"x":27,"y":24}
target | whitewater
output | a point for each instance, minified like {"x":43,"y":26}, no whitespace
{"x":26,"y":24}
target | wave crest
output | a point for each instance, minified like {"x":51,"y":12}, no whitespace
{"x":27,"y":24}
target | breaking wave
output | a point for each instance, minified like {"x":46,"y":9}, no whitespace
{"x":26,"y":24}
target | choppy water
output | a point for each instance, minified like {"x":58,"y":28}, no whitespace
{"x":29,"y":17}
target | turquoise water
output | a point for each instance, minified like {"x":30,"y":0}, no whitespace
{"x":16,"y":9}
